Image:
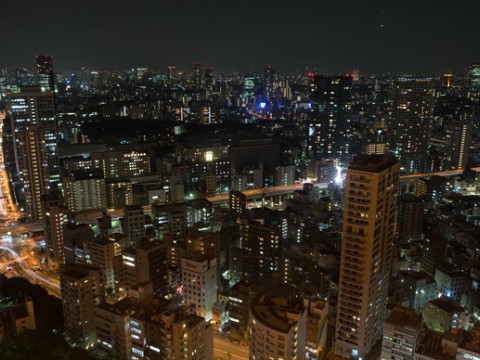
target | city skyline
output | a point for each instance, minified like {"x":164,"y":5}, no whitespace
{"x":331,"y":38}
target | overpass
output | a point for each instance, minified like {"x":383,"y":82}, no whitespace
{"x":253,"y":195}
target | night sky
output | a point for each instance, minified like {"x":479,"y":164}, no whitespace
{"x":419,"y":36}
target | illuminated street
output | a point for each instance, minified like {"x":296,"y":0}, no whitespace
{"x":22,"y":266}
{"x":224,"y":349}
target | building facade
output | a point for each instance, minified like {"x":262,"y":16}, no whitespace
{"x":368,"y":234}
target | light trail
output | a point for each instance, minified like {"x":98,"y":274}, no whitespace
{"x":28,"y":271}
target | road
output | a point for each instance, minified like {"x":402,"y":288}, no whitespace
{"x":24,"y":270}
{"x":226,"y":350}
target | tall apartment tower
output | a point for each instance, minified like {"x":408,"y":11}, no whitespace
{"x":209,"y":79}
{"x":269,"y":76}
{"x":85,"y":190}
{"x":35,"y":145}
{"x":329,"y":131}
{"x":82,"y":289}
{"x":410,"y":116}
{"x":46,"y":77}
{"x":368,"y":235}
{"x":458,"y":139}
{"x":197,"y":75}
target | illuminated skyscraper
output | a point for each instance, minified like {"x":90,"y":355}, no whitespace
{"x":45,"y":72}
{"x":329,"y":129}
{"x":197,"y":75}
{"x":35,"y":145}
{"x":368,"y":234}
{"x":458,"y":140}
{"x":410,"y":118}
{"x":473,"y":75}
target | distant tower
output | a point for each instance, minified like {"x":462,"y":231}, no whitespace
{"x":45,"y":71}
{"x":22,"y":77}
{"x":197,"y":75}
{"x":172,"y":74}
{"x":209,"y":79}
{"x":369,"y":228}
{"x":410,"y":115}
{"x":35,"y":145}
{"x":447,"y":79}
{"x":268,"y":79}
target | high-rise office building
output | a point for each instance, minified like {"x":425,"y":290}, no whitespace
{"x":410,"y":217}
{"x":329,"y":130}
{"x":269,"y":76}
{"x":102,"y":252}
{"x":410,"y":119}
{"x":473,"y":76}
{"x":199,"y":276}
{"x":261,"y":251}
{"x":368,"y":235}
{"x":473,"y":82}
{"x":458,"y":140}
{"x":146,"y":262}
{"x":209,"y":79}
{"x":172,"y":75}
{"x":54,"y":217}
{"x":134,"y":218}
{"x":238,"y":203}
{"x":35,"y":145}
{"x":45,"y":72}
{"x":75,"y":236}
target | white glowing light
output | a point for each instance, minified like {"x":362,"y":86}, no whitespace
{"x":338,"y":178}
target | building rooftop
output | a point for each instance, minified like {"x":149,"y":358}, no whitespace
{"x":372,"y":163}
{"x":431,"y":346}
{"x":404,"y":317}
{"x":272,"y":312}
{"x":87,"y":174}
{"x":417,"y":275}
{"x":447,"y":304}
